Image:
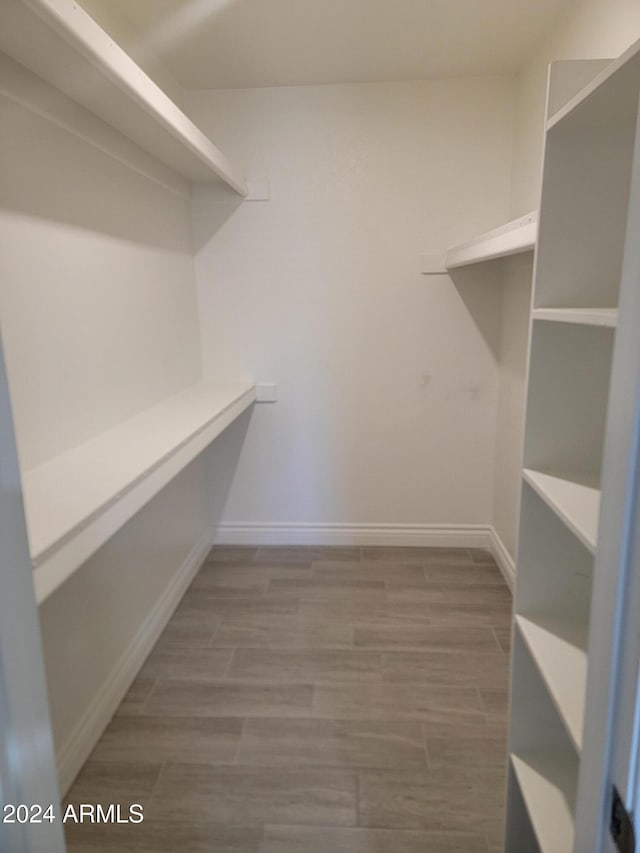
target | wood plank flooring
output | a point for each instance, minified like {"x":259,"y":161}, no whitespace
{"x":315,"y":700}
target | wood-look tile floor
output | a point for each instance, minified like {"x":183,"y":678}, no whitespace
{"x":315,"y":700}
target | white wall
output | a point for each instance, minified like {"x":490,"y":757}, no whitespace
{"x":387,"y":378}
{"x":589,"y":29}
{"x":99,"y":321}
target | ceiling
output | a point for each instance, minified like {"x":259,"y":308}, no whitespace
{"x":251,"y":43}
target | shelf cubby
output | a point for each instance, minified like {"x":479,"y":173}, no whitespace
{"x":583,"y":217}
{"x":547,"y":782}
{"x":569,"y":372}
{"x":559,"y":649}
{"x":553,"y":604}
{"x":573,"y":508}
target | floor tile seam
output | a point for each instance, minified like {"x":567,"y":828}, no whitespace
{"x":236,"y":752}
{"x":497,"y":640}
{"x":154,"y":787}
{"x":213,"y":635}
{"x":362,"y":721}
{"x":494,"y":629}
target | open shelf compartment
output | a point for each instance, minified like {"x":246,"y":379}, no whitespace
{"x":543,"y":771}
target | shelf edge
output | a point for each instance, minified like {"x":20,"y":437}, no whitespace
{"x":513,"y":238}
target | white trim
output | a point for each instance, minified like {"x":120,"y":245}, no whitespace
{"x":398,"y":535}
{"x":75,"y":751}
{"x":503,"y":558}
{"x":426,"y":535}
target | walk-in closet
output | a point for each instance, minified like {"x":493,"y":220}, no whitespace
{"x":319,"y":426}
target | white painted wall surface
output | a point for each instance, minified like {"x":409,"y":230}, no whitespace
{"x":589,"y":29}
{"x":387,"y":379}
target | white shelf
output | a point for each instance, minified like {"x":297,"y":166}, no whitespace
{"x":79,"y":499}
{"x":547,"y":783}
{"x":559,"y":649}
{"x":575,"y":500}
{"x":61,"y":43}
{"x":582,"y":316}
{"x":609,"y":100}
{"x":510,"y":239}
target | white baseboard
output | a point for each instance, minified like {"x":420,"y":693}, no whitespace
{"x":504,"y":559}
{"x":75,"y":751}
{"x":425,"y":535}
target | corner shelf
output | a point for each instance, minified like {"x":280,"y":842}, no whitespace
{"x":607,"y":317}
{"x":514,"y":237}
{"x":576,"y":501}
{"x":547,"y":783}
{"x":76,"y":501}
{"x":61,"y":43}
{"x":560,"y":653}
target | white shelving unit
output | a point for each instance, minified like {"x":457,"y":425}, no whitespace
{"x":576,"y":503}
{"x":564,"y":616}
{"x":62,"y":44}
{"x":560,"y":653}
{"x":77,"y":500}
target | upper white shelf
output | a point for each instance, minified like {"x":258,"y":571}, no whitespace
{"x":515,"y":237}
{"x":79,"y":499}
{"x":61,"y":43}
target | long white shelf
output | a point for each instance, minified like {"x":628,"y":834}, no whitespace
{"x":547,"y":783}
{"x":514,"y":237}
{"x":607,"y":317}
{"x":79,"y":499}
{"x":61,"y":43}
{"x":575,"y":501}
{"x":559,"y":649}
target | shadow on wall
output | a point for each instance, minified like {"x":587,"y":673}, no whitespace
{"x":221,"y":461}
{"x":49,"y":172}
{"x":480,"y":288}
{"x":211,"y":207}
